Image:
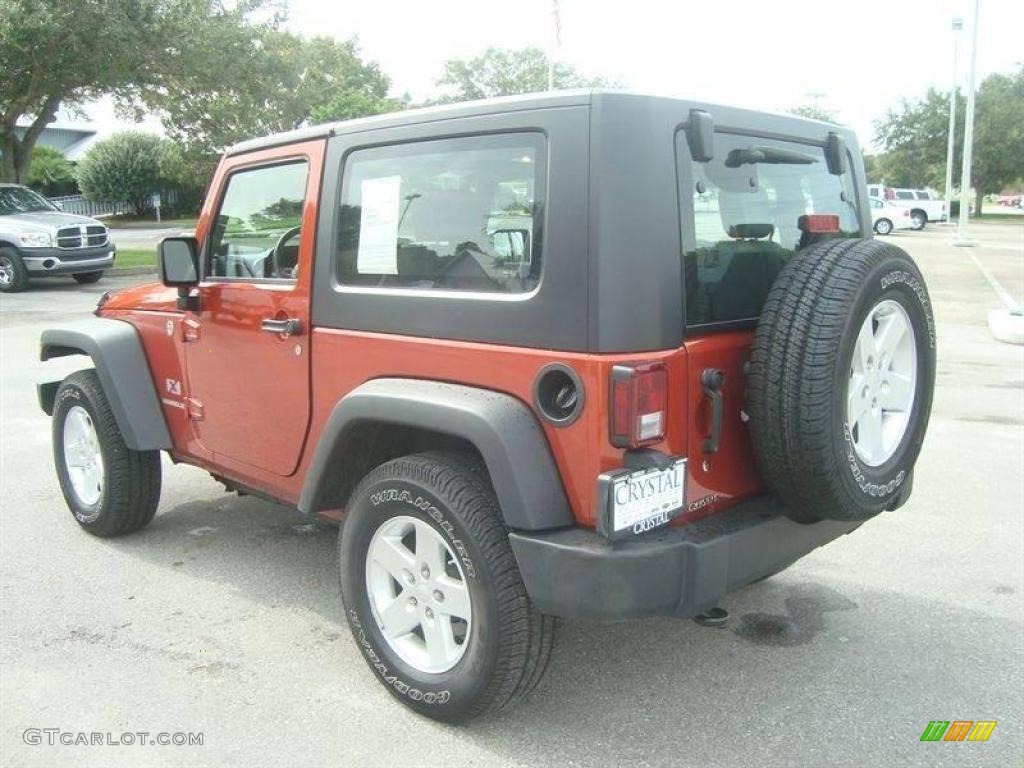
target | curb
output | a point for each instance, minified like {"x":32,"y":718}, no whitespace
{"x":1007,"y":325}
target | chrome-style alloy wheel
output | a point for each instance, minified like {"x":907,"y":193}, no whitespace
{"x":883,"y":379}
{"x":82,"y":456}
{"x":6,"y":271}
{"x":418,"y":594}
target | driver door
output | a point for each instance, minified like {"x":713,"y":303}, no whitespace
{"x":247,"y":346}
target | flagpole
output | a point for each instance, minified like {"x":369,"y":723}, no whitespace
{"x":553,"y":42}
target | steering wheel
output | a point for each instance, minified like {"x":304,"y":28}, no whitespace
{"x":276,"y":253}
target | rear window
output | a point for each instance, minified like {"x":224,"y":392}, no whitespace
{"x":741,"y":217}
{"x":462,"y":214}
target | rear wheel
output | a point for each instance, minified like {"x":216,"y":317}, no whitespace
{"x":883,"y":226}
{"x":13,"y":275}
{"x":110,"y":489}
{"x":432,"y":592}
{"x":842,"y":373}
{"x":87,"y":278}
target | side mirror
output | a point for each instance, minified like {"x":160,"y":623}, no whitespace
{"x":179,"y":261}
{"x":511,"y":244}
{"x":835,"y":154}
{"x":700,"y":135}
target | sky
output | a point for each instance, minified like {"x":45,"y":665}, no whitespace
{"x":860,"y":57}
{"x":762,"y":54}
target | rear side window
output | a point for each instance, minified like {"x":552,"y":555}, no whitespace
{"x":459,"y":214}
{"x":741,"y":217}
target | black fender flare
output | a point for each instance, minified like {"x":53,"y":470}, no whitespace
{"x":503,"y":429}
{"x":121,"y":364}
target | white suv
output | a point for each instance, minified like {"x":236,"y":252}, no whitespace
{"x":924,"y":206}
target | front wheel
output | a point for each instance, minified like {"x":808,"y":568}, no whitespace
{"x":432,"y":592}
{"x":13,"y":275}
{"x":87,"y":278}
{"x":110,"y":489}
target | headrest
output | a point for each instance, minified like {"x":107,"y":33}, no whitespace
{"x":751,"y":231}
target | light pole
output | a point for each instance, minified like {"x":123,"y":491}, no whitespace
{"x":958,"y":24}
{"x":965,"y":174}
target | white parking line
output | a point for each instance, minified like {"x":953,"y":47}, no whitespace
{"x":987,"y":274}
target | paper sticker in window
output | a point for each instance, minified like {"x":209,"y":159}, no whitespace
{"x":378,"y":226}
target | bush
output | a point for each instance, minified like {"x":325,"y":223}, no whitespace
{"x":50,"y":173}
{"x":126,"y":167}
{"x":186,"y":174}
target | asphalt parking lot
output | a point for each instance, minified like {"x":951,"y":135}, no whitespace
{"x":223,"y":616}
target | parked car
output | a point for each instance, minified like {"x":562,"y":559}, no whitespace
{"x":885,"y":217}
{"x":37,"y":239}
{"x":881,"y":191}
{"x":924,"y":206}
{"x":464,"y":334}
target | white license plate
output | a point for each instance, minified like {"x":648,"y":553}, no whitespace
{"x":644,"y":499}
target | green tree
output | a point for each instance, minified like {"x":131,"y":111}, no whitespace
{"x":275,"y":82}
{"x":998,"y":135}
{"x":815,"y":112}
{"x":504,"y":72}
{"x":915,"y":135}
{"x":872,"y":167}
{"x":56,"y":53}
{"x":125,"y":167}
{"x":51,"y":173}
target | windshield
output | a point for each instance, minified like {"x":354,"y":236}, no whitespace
{"x":22,"y":200}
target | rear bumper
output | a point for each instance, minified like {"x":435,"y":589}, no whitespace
{"x":680,"y":572}
{"x":57,"y":261}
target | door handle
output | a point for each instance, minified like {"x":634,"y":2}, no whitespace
{"x":711,"y":380}
{"x":290,"y":326}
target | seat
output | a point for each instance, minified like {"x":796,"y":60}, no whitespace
{"x":754,"y":261}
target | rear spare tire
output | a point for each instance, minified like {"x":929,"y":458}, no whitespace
{"x":841,"y":380}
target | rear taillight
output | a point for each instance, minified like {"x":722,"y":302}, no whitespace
{"x":819,"y":223}
{"x":639,"y":404}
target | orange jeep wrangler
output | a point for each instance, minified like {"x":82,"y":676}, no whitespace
{"x":582,"y":355}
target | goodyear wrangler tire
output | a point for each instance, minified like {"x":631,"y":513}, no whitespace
{"x":841,"y":380}
{"x":432,"y":592}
